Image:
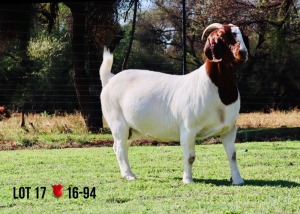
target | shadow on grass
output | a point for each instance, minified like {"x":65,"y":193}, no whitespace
{"x":268,"y":134}
{"x":275,"y":183}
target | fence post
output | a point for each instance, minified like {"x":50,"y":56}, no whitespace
{"x":183,"y":38}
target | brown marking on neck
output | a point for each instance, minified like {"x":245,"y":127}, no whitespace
{"x":223,"y":76}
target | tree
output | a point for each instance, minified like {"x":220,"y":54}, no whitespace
{"x":85,"y":15}
{"x":29,"y":49}
{"x":135,"y":8}
{"x":94,"y":24}
{"x":34,"y":79}
{"x":19,"y":32}
{"x":268,"y":80}
{"x":147,"y":52}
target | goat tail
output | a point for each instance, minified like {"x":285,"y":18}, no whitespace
{"x":105,"y":68}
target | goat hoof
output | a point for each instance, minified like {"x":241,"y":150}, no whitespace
{"x":187,"y":180}
{"x":237,"y":182}
{"x":130,"y":177}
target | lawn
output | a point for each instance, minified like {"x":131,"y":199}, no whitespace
{"x":270,"y":169}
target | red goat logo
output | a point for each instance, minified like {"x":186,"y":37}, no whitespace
{"x":57,"y":190}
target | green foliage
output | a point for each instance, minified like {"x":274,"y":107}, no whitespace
{"x":39,"y":78}
{"x":147,"y":51}
{"x":46,"y":48}
{"x":28,"y":142}
{"x":53,"y":79}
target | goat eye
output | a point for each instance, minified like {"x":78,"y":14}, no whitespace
{"x":234,"y":34}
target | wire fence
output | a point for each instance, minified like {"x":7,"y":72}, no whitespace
{"x":46,"y":83}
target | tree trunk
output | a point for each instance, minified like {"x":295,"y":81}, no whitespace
{"x":89,"y":104}
{"x":131,"y":35}
{"x":96,"y":86}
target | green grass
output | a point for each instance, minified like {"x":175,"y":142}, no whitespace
{"x":271,"y":172}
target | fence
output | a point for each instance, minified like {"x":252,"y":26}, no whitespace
{"x":40,"y":77}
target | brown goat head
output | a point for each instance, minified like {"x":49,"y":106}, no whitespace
{"x":225,"y":42}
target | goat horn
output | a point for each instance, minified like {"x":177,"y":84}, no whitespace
{"x":211,"y":27}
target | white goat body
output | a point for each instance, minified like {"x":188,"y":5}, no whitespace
{"x":141,"y":103}
{"x":159,"y":105}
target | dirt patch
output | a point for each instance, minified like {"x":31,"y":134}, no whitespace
{"x":97,"y":143}
{"x":109,"y":143}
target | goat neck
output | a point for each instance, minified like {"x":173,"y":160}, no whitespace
{"x":223,"y":76}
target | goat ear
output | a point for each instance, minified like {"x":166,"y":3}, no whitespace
{"x":208,"y":50}
{"x":213,"y":50}
{"x":246,"y":41}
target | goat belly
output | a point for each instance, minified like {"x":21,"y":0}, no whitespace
{"x":163,"y":135}
{"x":152,"y":121}
{"x":213,"y":131}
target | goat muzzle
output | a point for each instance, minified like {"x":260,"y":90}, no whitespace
{"x":240,"y":55}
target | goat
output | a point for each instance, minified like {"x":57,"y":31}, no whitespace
{"x":203,"y":103}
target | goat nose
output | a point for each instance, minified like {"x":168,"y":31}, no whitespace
{"x":243,"y":54}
